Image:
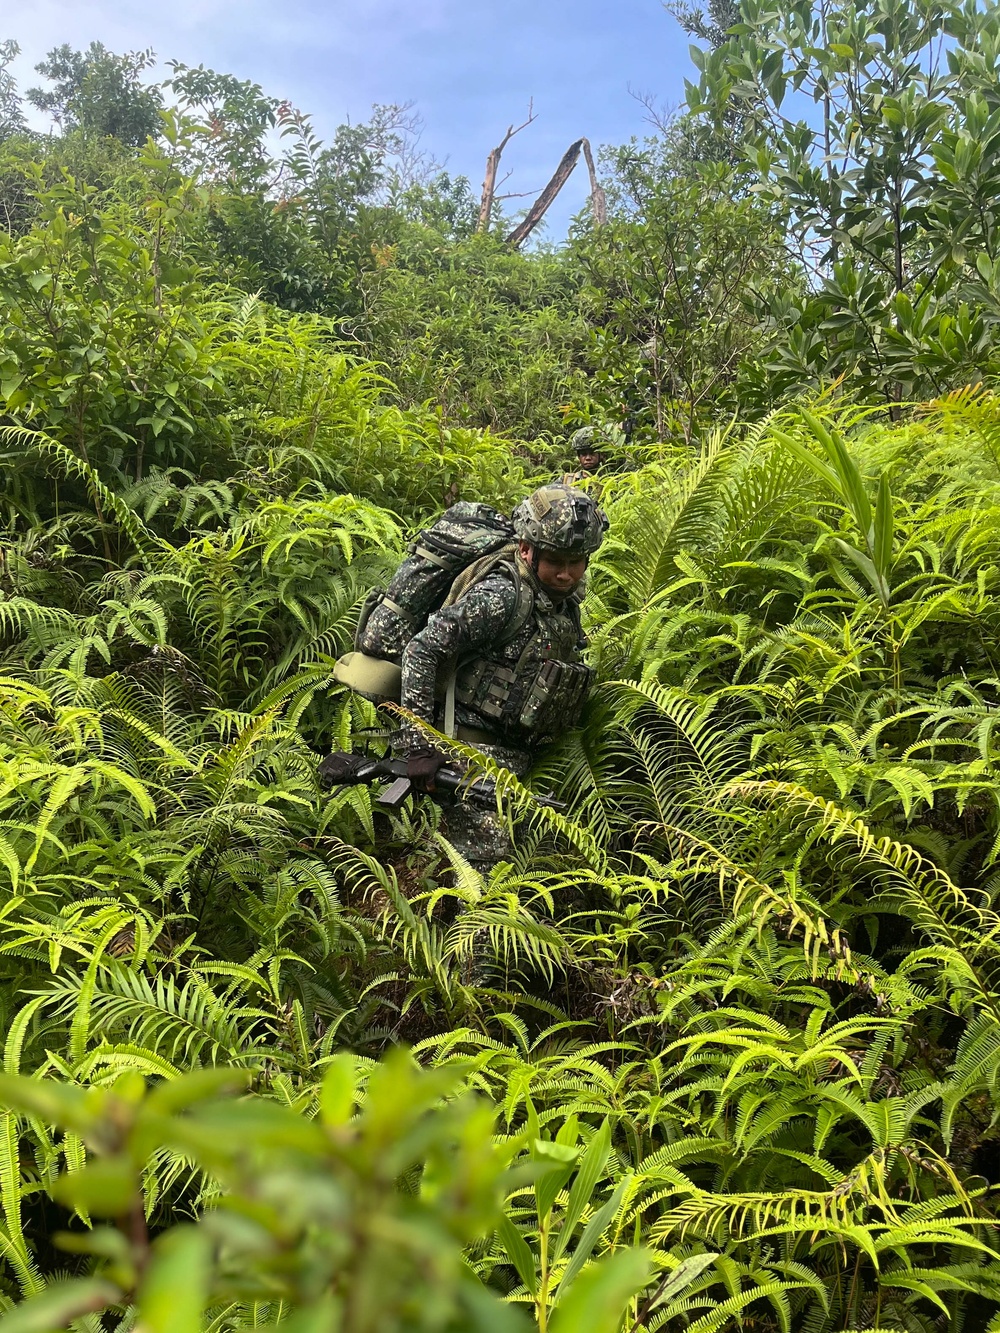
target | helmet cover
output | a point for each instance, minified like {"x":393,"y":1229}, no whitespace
{"x":561,"y":518}
{"x":589,"y":440}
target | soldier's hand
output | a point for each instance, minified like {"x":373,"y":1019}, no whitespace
{"x":337,"y":769}
{"x":422,"y":766}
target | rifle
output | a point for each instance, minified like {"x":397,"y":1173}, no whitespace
{"x":342,"y":769}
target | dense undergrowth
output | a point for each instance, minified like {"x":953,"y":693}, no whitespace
{"x":719,"y":1047}
{"x":737,"y":1009}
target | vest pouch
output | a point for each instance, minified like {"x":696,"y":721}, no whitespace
{"x":548,"y":703}
{"x":486,"y":687}
{"x":374,"y":677}
{"x":555,"y":698}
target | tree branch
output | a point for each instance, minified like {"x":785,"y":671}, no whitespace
{"x":492,"y":166}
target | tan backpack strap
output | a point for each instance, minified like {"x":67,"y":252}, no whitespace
{"x":481,"y":569}
{"x":476,"y":572}
{"x":423,"y":552}
{"x":399,"y":610}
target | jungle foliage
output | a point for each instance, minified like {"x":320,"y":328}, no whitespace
{"x":718,"y":1048}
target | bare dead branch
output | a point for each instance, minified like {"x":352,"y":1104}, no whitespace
{"x":661,"y":115}
{"x":492,"y":166}
{"x":598,"y":199}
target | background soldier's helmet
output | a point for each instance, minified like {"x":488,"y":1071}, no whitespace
{"x":589,"y":440}
{"x":562,"y":519}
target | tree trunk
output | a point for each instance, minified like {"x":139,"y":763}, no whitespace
{"x":598,"y":199}
{"x":489,"y":187}
{"x":544,"y":201}
{"x":492,"y":167}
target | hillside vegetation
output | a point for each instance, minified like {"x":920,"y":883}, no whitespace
{"x":718,"y":1049}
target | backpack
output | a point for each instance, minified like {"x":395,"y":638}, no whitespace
{"x":461,"y":537}
{"x":465,"y":544}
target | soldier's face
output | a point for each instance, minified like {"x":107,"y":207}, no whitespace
{"x":590,"y":462}
{"x":558,"y":572}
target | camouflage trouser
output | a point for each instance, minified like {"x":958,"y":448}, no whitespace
{"x":482,"y":838}
{"x":480,"y":835}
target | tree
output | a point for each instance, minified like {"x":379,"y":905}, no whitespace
{"x":694,"y":139}
{"x":444,"y":204}
{"x":14,"y":204}
{"x":300,"y":224}
{"x":876,"y":128}
{"x":493,"y":337}
{"x":11,"y":116}
{"x":672,"y":288}
{"x":229,"y":120}
{"x":99,"y":92}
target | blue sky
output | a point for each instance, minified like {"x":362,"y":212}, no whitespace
{"x":470,"y":66}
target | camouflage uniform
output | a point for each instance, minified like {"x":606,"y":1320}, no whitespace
{"x":477,"y":834}
{"x":474,"y":629}
{"x":588,"y":439}
{"x":512,"y":648}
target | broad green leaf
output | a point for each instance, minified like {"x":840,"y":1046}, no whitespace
{"x":807,"y":457}
{"x":681,"y":1277}
{"x":883,"y":529}
{"x":339,"y":1089}
{"x":602,"y":1295}
{"x":57,"y":1103}
{"x":554,"y":1164}
{"x":60,"y":1304}
{"x":591,"y":1234}
{"x":851,"y":485}
{"x":519,"y":1253}
{"x":590,"y":1170}
{"x":175,"y":1288}
{"x":107,"y":1187}
{"x":199,"y":1085}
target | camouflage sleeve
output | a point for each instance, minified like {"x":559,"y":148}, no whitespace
{"x":471,"y":625}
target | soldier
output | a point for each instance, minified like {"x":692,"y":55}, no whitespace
{"x":590,"y":446}
{"x":505,"y":651}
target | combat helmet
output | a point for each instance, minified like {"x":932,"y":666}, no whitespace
{"x":590,"y":440}
{"x":561,"y":518}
